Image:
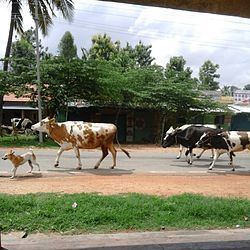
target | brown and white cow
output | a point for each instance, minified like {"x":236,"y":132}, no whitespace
{"x":78,"y":134}
{"x":225,"y":142}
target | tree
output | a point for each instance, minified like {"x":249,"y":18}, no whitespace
{"x":67,"y":48}
{"x":23,"y":56}
{"x":247,"y":87}
{"x":103,"y":48}
{"x":208,"y":76}
{"x":176,"y":70}
{"x":142,"y":54}
{"x":46,"y":9}
{"x":226,"y":90}
{"x":139,"y":56}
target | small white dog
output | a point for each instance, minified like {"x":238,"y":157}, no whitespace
{"x":18,"y":160}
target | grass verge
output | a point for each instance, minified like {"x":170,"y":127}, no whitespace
{"x":25,"y":141}
{"x":136,"y":212}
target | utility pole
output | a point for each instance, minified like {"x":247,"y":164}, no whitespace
{"x":38,"y":79}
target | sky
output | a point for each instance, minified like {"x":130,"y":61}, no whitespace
{"x":225,"y":40}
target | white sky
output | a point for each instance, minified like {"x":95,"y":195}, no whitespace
{"x":197,"y":37}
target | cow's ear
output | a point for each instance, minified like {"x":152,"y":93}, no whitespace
{"x":51,"y":116}
{"x":52,"y":121}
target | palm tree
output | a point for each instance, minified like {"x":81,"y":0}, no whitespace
{"x":46,"y":10}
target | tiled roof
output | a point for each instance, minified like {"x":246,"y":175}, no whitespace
{"x":13,"y":98}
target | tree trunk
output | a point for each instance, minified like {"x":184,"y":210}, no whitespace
{"x":163,"y":123}
{"x":7,"y":55}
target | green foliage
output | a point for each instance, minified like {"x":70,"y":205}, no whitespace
{"x":207,"y":76}
{"x":96,"y":213}
{"x":176,"y":71}
{"x":103,"y":48}
{"x":25,"y":141}
{"x":5,"y":84}
{"x":67,"y":48}
{"x":139,"y":56}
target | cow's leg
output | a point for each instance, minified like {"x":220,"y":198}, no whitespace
{"x":59,"y":152}
{"x":104,"y":154}
{"x":199,"y":156}
{"x":113,"y":152}
{"x":191,"y":156}
{"x":231,"y":154}
{"x":212,"y":155}
{"x":216,"y":156}
{"x":77,"y":152}
{"x":186,"y":154}
{"x":180,"y":152}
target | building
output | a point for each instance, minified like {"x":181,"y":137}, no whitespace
{"x":241,"y":97}
{"x":18,"y":107}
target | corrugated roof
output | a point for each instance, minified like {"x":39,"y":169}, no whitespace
{"x":19,"y":108}
{"x":239,"y":108}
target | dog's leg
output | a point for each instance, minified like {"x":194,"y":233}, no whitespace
{"x":31,"y":166}
{"x":13,"y":172}
{"x":37,"y":165}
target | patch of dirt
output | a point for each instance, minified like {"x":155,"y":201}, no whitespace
{"x":164,"y":185}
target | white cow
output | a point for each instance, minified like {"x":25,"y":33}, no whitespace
{"x":78,"y":134}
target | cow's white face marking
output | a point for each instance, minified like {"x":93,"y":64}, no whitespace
{"x":41,"y":126}
{"x":170,"y":130}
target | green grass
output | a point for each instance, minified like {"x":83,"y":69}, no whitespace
{"x":25,"y":141}
{"x":96,"y":213}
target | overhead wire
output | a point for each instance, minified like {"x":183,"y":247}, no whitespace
{"x":123,"y":30}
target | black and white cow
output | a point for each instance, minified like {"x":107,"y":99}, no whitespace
{"x":21,"y":125}
{"x":171,"y":130}
{"x":225,"y":142}
{"x":187,"y":138}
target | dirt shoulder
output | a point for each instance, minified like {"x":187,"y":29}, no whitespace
{"x":163,"y":185}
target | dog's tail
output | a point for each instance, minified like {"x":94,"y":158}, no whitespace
{"x":33,"y":155}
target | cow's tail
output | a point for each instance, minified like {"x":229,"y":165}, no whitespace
{"x":123,"y":150}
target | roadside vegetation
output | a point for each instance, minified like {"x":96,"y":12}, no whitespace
{"x":78,"y":213}
{"x":25,"y":141}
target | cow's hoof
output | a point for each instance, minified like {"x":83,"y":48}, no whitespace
{"x":178,"y":157}
{"x":78,"y":168}
{"x":198,"y":157}
{"x":233,"y":169}
{"x":112,"y":167}
{"x":96,"y":167}
{"x":56,"y":165}
{"x":210,"y":169}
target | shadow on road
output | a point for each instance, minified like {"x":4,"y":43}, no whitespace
{"x":100,"y":171}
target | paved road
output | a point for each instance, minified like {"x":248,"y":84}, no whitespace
{"x":168,"y":240}
{"x":143,"y":160}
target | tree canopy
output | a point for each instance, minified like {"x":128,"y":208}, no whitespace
{"x":67,"y":48}
{"x":208,"y":76}
{"x":109,"y":74}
